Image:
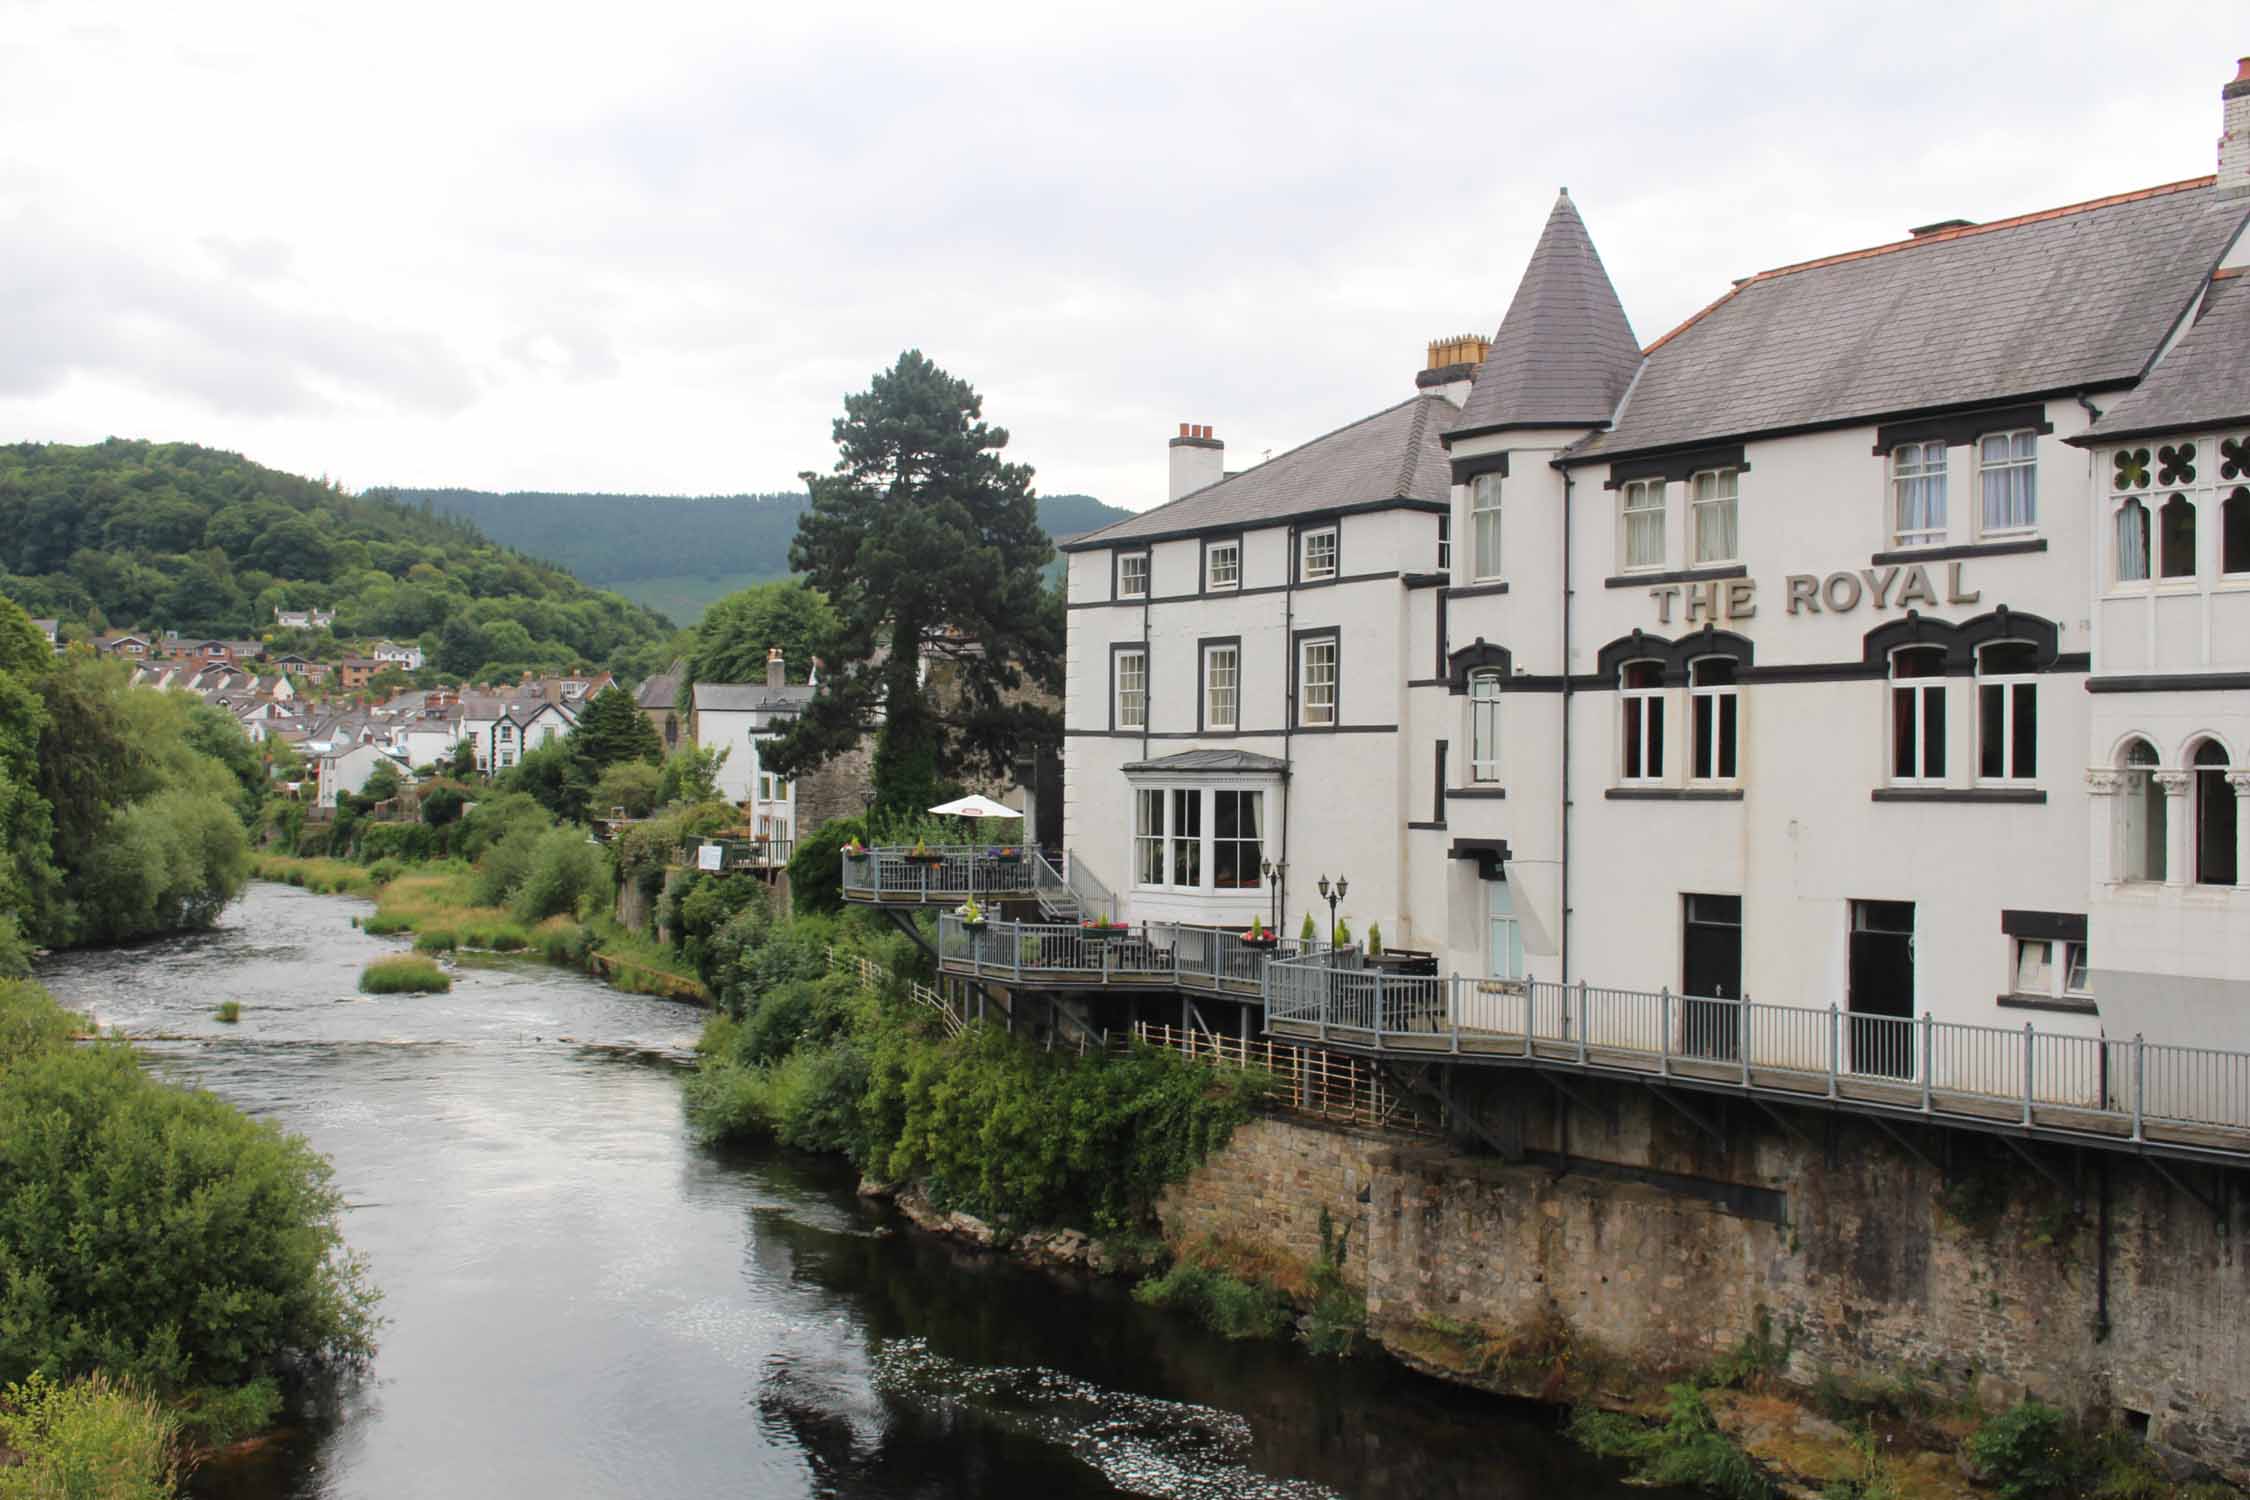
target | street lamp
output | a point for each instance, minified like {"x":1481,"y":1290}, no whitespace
{"x":1343,"y":884}
{"x":1272,"y":869}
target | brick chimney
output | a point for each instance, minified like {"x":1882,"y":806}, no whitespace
{"x":1451,"y":364}
{"x":775,"y":675}
{"x":1198,"y":460}
{"x":2234,"y":138}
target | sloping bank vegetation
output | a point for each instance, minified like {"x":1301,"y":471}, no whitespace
{"x":165,"y":1264}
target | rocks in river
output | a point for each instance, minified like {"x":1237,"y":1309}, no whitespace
{"x":1062,"y":1249}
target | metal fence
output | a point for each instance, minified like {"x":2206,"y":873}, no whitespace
{"x":1308,"y":1081}
{"x":2112,"y":1086}
{"x":951,"y":872}
{"x":737,"y":854}
{"x":873,"y":976}
{"x":1198,"y":958}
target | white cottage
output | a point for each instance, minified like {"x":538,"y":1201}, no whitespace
{"x":739,"y":717}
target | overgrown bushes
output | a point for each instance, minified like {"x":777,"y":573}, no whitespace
{"x":1685,"y":1449}
{"x":89,"y":1439}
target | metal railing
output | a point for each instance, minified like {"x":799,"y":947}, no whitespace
{"x":1308,"y":1081}
{"x":738,"y":854}
{"x":938,"y":873}
{"x":873,"y":976}
{"x":1212,"y":959}
{"x":2126,"y":1088}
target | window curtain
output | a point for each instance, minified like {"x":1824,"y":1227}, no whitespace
{"x":2011,"y":481}
{"x":2132,"y":542}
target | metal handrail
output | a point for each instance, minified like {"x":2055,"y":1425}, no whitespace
{"x":1213,"y":959}
{"x":741,"y":854}
{"x":940,"y":873}
{"x":2092,"y":1084}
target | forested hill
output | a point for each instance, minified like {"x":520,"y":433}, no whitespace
{"x":172,"y":536}
{"x":676,"y":553}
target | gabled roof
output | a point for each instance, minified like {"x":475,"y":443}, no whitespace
{"x":2066,"y":299}
{"x":662,"y":689}
{"x":1565,"y":352}
{"x":1393,"y":455}
{"x":2204,"y":381}
{"x":751,"y":697}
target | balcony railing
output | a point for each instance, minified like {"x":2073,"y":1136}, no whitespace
{"x":948,"y":874}
{"x":1212,"y":959}
{"x":736,"y":854}
{"x":2125,"y":1088}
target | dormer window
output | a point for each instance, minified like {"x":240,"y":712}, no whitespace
{"x":1317,"y":551}
{"x":1132,"y":575}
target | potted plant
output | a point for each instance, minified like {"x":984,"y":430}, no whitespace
{"x":1103,"y":928}
{"x":1258,"y":935}
{"x":922,"y":854}
{"x":855,"y":848}
{"x":972,"y":916}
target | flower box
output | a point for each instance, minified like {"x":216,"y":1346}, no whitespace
{"x":1004,"y":856}
{"x":1259,"y":940}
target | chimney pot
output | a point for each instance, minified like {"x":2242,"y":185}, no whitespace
{"x":1198,"y":460}
{"x":1187,"y":430}
{"x":775,"y":675}
{"x":2234,"y":134}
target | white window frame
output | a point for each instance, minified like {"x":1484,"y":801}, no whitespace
{"x":1718,"y":700}
{"x":1218,"y":659}
{"x":1310,"y":708}
{"x":1922,"y":689}
{"x":1640,"y":735}
{"x":1254,"y":878}
{"x":1149,"y":836}
{"x":1307,"y":570}
{"x":1722,"y":494}
{"x":1126,"y":574}
{"x":1163,"y":841}
{"x":1918,"y":470}
{"x":1231,"y":549}
{"x":1445,"y":541}
{"x":1641,"y":500}
{"x":2021,"y":459}
{"x":1131,"y":687}
{"x":2234,"y":503}
{"x":2119,"y":579}
{"x":2194,"y":575}
{"x":2064,"y":960}
{"x":1484,"y":727}
{"x":1484,"y":526}
{"x":2007,"y":684}
{"x":1183,"y":845}
{"x":1503,"y":933}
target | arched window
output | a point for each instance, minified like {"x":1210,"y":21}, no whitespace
{"x":2132,"y":542}
{"x":2177,"y":528}
{"x":2007,"y":712}
{"x":2214,"y":816}
{"x":1641,"y":703}
{"x":1918,"y":714}
{"x":2140,"y":814}
{"x":1716,"y":718}
{"x":1484,"y":726}
{"x":2234,"y":532}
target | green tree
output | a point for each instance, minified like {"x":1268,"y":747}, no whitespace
{"x":736,"y":632}
{"x":610,"y":729}
{"x":554,"y":777}
{"x":630,"y":784}
{"x":928,"y":546}
{"x":691,"y":775}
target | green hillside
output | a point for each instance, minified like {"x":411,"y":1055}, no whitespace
{"x":675,"y":554}
{"x":172,"y":536}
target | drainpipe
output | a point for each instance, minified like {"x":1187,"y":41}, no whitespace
{"x":1563,"y":945}
{"x":1288,"y":710}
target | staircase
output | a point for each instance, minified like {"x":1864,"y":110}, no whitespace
{"x":1058,"y":900}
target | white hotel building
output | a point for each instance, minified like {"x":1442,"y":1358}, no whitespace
{"x":1880,"y":637}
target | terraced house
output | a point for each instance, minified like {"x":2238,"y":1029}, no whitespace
{"x":1878,"y":639}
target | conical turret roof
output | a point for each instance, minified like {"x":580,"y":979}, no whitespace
{"x":1565,"y":353}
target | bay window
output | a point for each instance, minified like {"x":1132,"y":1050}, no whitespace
{"x":1207,"y":839}
{"x":1187,"y":837}
{"x":1148,"y":836}
{"x":2132,"y":542}
{"x":1237,"y":840}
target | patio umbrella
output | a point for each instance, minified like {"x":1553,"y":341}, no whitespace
{"x":975,"y":807}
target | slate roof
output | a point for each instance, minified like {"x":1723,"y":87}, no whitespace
{"x":661,"y":689}
{"x":1396,"y":454}
{"x":1208,"y":761}
{"x":2203,"y":382}
{"x":1565,"y":352}
{"x":2067,"y":298}
{"x":750,"y":697}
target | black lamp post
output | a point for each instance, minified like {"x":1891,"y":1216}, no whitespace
{"x":1343,"y":884}
{"x":1272,"y":869}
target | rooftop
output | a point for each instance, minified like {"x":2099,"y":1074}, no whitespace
{"x":2204,"y":381}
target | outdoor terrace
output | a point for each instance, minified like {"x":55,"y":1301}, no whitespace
{"x":2157,"y":1099}
{"x":723,"y":855}
{"x":1056,"y":955}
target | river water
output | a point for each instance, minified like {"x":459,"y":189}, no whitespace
{"x":582,"y":1302}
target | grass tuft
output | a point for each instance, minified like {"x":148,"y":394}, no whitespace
{"x":404,"y":974}
{"x":229,"y":1011}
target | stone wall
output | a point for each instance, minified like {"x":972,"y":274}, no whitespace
{"x":1666,"y":1243}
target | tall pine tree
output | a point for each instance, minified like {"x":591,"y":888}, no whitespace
{"x":928,"y":546}
{"x":611,"y":729}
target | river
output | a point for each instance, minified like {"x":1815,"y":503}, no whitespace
{"x":580,"y":1301}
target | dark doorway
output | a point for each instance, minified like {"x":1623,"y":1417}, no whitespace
{"x":1711,"y":976}
{"x":1882,"y":988}
{"x":2215,"y":817}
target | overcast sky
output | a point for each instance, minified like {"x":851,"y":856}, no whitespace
{"x":651,"y":246}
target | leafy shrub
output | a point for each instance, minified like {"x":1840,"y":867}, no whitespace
{"x":565,"y":874}
{"x":1686,"y":1449}
{"x":92,"y":1438}
{"x":2029,"y":1452}
{"x":31,"y":1022}
{"x":441,"y":805}
{"x":493,"y":819}
{"x":160,"y":1234}
{"x":1227,"y":1305}
{"x":563,"y":941}
{"x":436,"y":940}
{"x":392,"y":843}
{"x":385,"y":924}
{"x":404,"y":975}
{"x":816,"y":867}
{"x":630,"y":784}
{"x":15,"y":949}
{"x":384,"y":871}
{"x":496,"y":933}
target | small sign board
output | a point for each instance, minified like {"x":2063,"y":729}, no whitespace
{"x":710,"y":857}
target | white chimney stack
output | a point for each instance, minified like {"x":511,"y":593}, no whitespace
{"x":1198,"y":460}
{"x":774,"y":674}
{"x":2234,"y":140}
